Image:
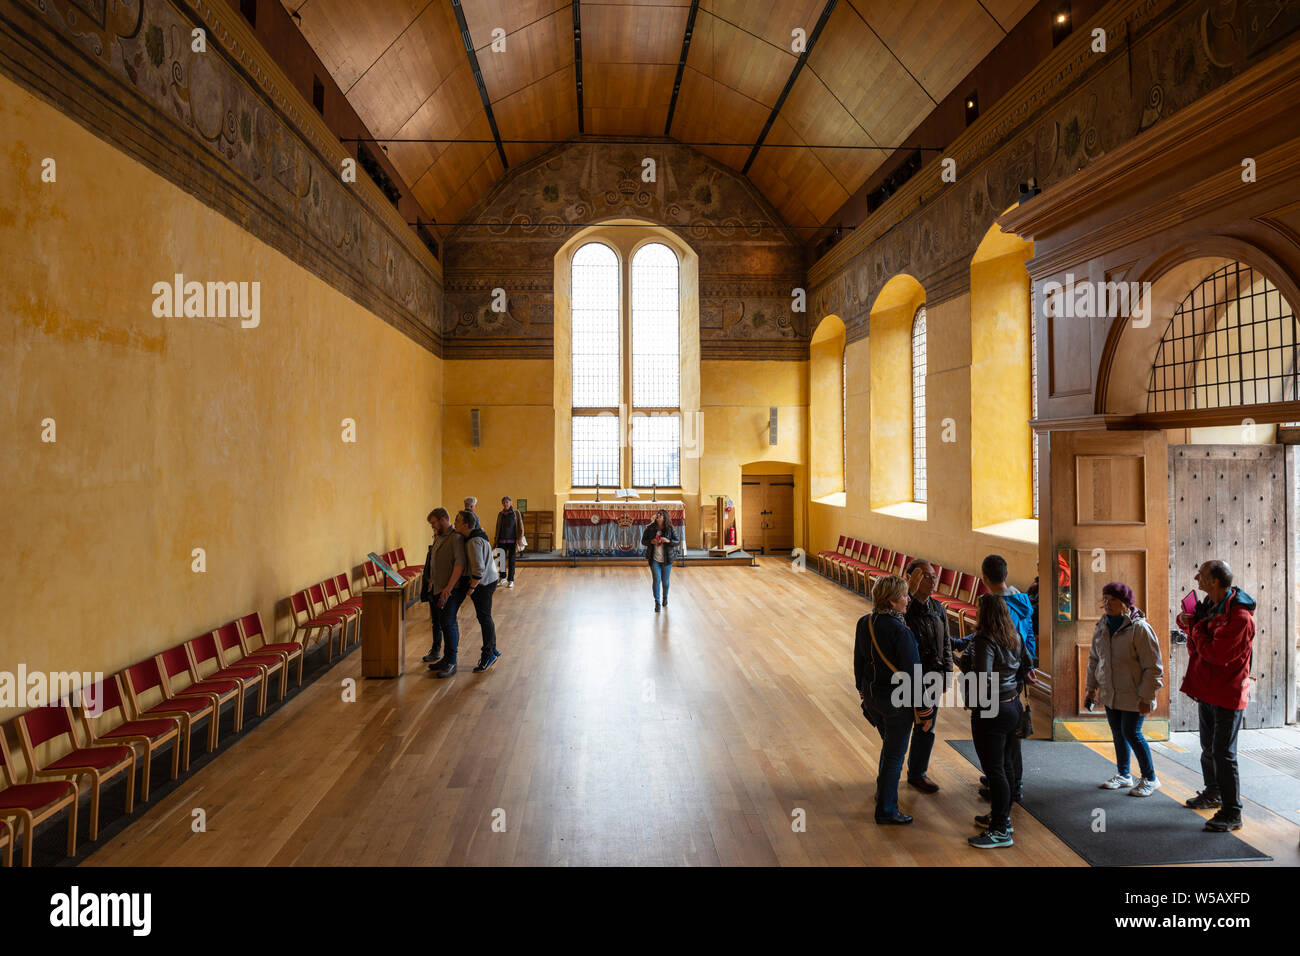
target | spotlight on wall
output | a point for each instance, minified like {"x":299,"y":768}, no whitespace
{"x":1061,"y":22}
{"x":771,"y":425}
{"x":475,"y":429}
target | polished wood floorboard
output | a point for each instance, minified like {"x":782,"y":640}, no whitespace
{"x":606,"y":734}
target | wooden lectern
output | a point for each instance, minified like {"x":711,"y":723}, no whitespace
{"x":383,"y":638}
{"x":721,"y":548}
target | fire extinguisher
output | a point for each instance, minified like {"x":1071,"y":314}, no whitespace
{"x":731,"y":535}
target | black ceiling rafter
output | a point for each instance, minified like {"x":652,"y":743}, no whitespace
{"x":577,"y":61}
{"x":789,"y":84}
{"x":681,"y":64}
{"x":468,"y":41}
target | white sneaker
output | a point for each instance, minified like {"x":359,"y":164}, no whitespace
{"x":510,"y":584}
{"x":1146,"y":786}
{"x":1118,"y":782}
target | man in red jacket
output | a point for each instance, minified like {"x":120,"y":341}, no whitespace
{"x":1220,"y":639}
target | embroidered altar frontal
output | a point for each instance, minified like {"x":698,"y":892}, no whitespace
{"x":614,"y":528}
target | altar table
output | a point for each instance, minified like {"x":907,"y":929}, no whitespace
{"x":614,"y":528}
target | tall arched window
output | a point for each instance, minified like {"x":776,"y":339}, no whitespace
{"x":1033,"y":391}
{"x":597,"y":352}
{"x":918,"y":406}
{"x":648,"y":386}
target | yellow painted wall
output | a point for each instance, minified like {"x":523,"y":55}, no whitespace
{"x":946,"y":533}
{"x":179,"y":433}
{"x":1001,"y":453}
{"x":734,"y":402}
{"x":516,"y":419}
{"x":825,"y":408}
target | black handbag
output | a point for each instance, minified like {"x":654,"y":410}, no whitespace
{"x":1026,"y":728}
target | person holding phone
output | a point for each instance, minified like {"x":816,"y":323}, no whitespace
{"x":883,"y":647}
{"x":1125,"y":672}
{"x":660,"y":541}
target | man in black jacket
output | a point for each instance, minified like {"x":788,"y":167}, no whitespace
{"x":929,"y":623}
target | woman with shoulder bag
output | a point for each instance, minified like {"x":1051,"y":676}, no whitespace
{"x":998,"y":655}
{"x":884,"y":646}
{"x":1125,"y":673}
{"x":660,"y":541}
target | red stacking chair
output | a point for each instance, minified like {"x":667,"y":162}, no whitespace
{"x":344,"y":590}
{"x":148,"y":675}
{"x":175,"y":662}
{"x":962,"y":602}
{"x":841,"y":563}
{"x":406,"y":570}
{"x":233,"y":654}
{"x":321,"y":609}
{"x":203,"y":653}
{"x":306,"y":623}
{"x":6,"y":841}
{"x":855,"y":568}
{"x":824,"y":555}
{"x":944,"y":587}
{"x":31,"y":803}
{"x":374,"y":578}
{"x":149,"y":735}
{"x":95,"y":763}
{"x":334,"y":602}
{"x":886,"y":563}
{"x":871,"y":557}
{"x":253,"y":641}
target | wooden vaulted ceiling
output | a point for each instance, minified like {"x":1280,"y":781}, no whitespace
{"x":877,"y":69}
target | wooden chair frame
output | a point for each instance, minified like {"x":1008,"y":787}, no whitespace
{"x":192,"y":709}
{"x":289,"y":650}
{"x":29,"y":817}
{"x":121,"y":732}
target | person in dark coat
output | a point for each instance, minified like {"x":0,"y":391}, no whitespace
{"x":660,"y":541}
{"x":885,"y":646}
{"x":509,"y":536}
{"x":929,"y":623}
{"x":1000,"y":658}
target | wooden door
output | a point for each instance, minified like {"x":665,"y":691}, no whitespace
{"x":1109,"y":508}
{"x":1229,"y":502}
{"x":767,"y":513}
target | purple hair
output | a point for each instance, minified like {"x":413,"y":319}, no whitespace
{"x":1120,"y":591}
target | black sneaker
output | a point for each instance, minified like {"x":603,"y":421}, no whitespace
{"x":445,"y":670}
{"x":432,"y":657}
{"x":1223,"y":822}
{"x":656,"y":607}
{"x":1205,"y":800}
{"x":992,"y":839}
{"x":486,"y":661}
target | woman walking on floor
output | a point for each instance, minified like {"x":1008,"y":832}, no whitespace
{"x":660,"y":541}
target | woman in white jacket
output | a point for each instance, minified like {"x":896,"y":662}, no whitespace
{"x":1125,"y":673}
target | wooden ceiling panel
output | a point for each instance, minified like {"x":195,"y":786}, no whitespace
{"x":543,"y":110}
{"x":531,"y":54}
{"x":735,"y":59}
{"x":416,"y":64}
{"x":348,"y":37}
{"x":707,"y":111}
{"x":628,"y":86}
{"x":478,"y":185}
{"x":614,"y":121}
{"x":458,"y":165}
{"x":639,"y":34}
{"x":815,"y":116}
{"x":440,"y":117}
{"x":802,"y":172}
{"x":773,"y":20}
{"x":513,"y":16}
{"x":938,"y":41}
{"x":1009,"y":12}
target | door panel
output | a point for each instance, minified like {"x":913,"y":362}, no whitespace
{"x":751,"y":514}
{"x":1229,"y":502}
{"x":780,"y":515}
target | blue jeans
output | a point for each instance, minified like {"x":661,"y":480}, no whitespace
{"x":895,"y":734}
{"x":1126,"y":732}
{"x":450,"y":626}
{"x":659,"y":573}
{"x":918,"y":756}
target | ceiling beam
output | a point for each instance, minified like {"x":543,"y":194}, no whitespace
{"x":681,"y":64}
{"x":478,"y":80}
{"x":577,"y":61}
{"x":789,"y":84}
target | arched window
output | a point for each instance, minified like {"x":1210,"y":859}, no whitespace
{"x":1232,"y":341}
{"x":918,"y":406}
{"x":597,"y":352}
{"x":650,"y":388}
{"x":844,"y":418}
{"x":656,"y":387}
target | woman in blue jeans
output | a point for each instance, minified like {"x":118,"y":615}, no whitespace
{"x":1125,"y":673}
{"x":660,"y":541}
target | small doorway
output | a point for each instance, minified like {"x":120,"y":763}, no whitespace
{"x":767,"y":513}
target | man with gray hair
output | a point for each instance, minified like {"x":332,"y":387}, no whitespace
{"x":471,"y":503}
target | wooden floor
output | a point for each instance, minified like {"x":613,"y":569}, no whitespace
{"x":606,"y":734}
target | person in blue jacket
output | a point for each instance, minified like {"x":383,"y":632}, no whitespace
{"x":1019,"y":606}
{"x":885,"y":646}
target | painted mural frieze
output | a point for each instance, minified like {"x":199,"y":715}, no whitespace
{"x":273,"y":170}
{"x":1175,"y":54}
{"x":749,"y":263}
